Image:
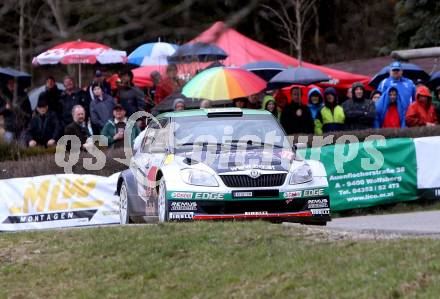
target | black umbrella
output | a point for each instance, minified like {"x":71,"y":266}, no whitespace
{"x":167,"y":104}
{"x":298,"y":75}
{"x":434,"y":81}
{"x":410,"y":70}
{"x":6,"y":73}
{"x":197,"y":52}
{"x":266,"y":70}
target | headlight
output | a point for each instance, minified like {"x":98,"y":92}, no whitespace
{"x":198,"y":177}
{"x":302,"y":174}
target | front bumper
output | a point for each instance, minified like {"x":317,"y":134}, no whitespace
{"x":287,"y":206}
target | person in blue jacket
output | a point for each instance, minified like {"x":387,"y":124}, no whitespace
{"x":316,"y":101}
{"x":404,"y":86}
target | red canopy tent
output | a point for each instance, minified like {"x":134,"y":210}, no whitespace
{"x":242,"y":50}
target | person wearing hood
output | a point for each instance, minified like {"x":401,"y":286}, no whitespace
{"x":422,"y":111}
{"x":270,"y":105}
{"x":179,"y":105}
{"x":315,"y":101}
{"x":391,"y":110}
{"x":359,"y":111}
{"x":331,"y":117}
{"x":296,"y":117}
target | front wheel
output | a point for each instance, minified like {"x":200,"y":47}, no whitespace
{"x":162,"y":202}
{"x":124,"y":211}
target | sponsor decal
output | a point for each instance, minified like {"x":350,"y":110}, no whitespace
{"x":209,"y":196}
{"x":181,"y":215}
{"x":44,"y":217}
{"x":242,"y":194}
{"x":256,"y":213}
{"x":292,"y":194}
{"x":169,"y":159}
{"x":320,"y":211}
{"x":182,"y":195}
{"x":313,"y":192}
{"x":183,"y":206}
{"x":64,"y":195}
{"x":246,"y":167}
{"x":317,"y":203}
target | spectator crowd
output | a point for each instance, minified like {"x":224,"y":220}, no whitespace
{"x":100,"y":110}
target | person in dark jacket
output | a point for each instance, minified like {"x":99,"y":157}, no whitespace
{"x":331,"y":117}
{"x":78,"y":127}
{"x":44,"y":128}
{"x":296,"y":117}
{"x":101,"y":109}
{"x":52,"y":95}
{"x":375,"y":95}
{"x":130,"y":96}
{"x":359,"y":111}
{"x":16,"y":111}
{"x":71,"y":97}
{"x":115,"y":129}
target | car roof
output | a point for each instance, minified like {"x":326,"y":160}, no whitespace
{"x":205,"y":111}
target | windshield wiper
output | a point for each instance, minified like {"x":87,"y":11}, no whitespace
{"x":252,"y":143}
{"x":204,"y":144}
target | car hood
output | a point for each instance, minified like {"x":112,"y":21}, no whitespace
{"x":238,"y":160}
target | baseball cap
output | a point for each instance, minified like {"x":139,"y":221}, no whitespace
{"x":395,"y":66}
{"x":118,"y":106}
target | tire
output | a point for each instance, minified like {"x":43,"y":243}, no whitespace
{"x":124,"y":210}
{"x":162,"y":202}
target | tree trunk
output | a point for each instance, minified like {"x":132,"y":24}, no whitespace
{"x":21,"y":37}
{"x":316,"y":37}
{"x":299,"y":33}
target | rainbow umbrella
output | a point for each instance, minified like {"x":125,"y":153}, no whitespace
{"x":223,"y":83}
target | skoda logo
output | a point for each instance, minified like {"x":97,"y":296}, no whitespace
{"x":255,"y":173}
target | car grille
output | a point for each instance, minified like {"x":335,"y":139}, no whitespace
{"x":265,"y":180}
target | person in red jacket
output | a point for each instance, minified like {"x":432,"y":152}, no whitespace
{"x":421,"y":112}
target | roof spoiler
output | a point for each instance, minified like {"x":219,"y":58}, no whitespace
{"x":222,"y":112}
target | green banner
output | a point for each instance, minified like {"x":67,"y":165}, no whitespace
{"x":368,"y":173}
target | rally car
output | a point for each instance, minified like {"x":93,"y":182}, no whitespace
{"x":221,"y":164}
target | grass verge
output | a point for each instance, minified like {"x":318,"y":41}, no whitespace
{"x":214,"y":260}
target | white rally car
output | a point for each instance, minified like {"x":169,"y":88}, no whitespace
{"x":221,"y":164}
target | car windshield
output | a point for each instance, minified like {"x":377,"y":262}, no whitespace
{"x":230,"y":131}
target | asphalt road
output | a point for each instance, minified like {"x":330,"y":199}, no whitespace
{"x":417,"y":223}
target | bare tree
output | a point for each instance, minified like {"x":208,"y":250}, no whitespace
{"x":292,"y":18}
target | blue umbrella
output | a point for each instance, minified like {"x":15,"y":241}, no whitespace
{"x":410,"y":70}
{"x":266,"y":70}
{"x":152,"y":54}
{"x":197,"y":52}
{"x":23,"y":78}
{"x":297,"y":75}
